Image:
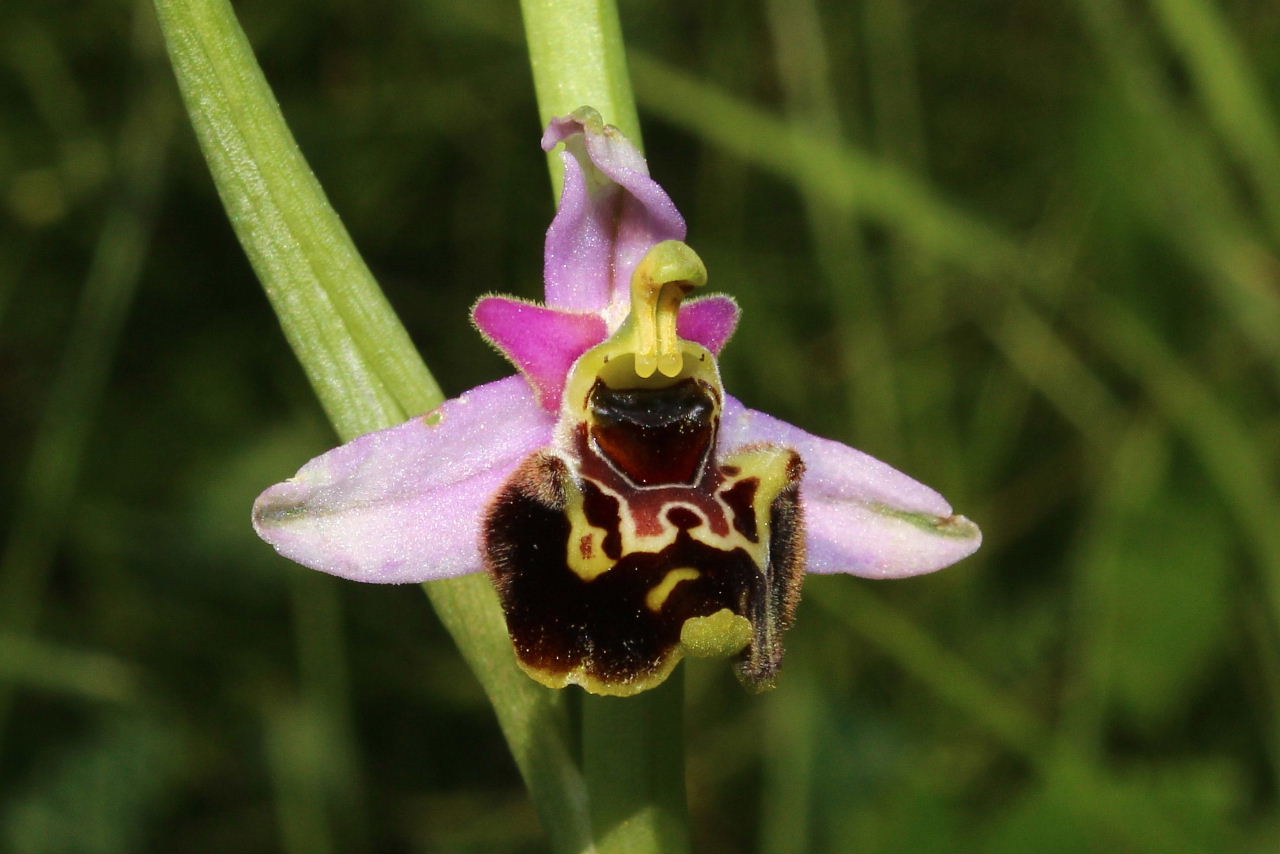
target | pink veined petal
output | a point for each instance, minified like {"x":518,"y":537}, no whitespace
{"x":862,"y":516}
{"x":405,"y":504}
{"x":611,"y":214}
{"x":542,"y":342}
{"x":710,"y":321}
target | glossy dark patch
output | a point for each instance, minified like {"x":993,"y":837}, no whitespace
{"x":654,"y":435}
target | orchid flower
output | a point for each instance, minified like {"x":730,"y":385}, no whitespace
{"x":627,"y":510}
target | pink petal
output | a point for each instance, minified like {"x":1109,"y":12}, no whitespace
{"x":863,"y":516}
{"x":579,"y":249}
{"x":611,"y":214}
{"x":542,"y":342}
{"x":710,"y":321}
{"x":405,"y":504}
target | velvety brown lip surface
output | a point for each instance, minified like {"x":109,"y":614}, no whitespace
{"x":603,"y":628}
{"x":559,"y":622}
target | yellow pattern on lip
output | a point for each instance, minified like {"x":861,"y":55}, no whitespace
{"x":657,"y":597}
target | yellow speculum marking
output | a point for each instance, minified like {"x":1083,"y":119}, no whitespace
{"x":585,"y":555}
{"x":657,"y":596}
{"x":585,"y":551}
{"x":769,"y":467}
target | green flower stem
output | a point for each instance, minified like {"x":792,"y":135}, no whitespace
{"x":633,"y":748}
{"x":633,"y":753}
{"x":355,"y":352}
{"x":534,"y":719}
{"x":575,"y":48}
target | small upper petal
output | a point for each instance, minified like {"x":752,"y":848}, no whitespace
{"x":862,"y":516}
{"x":542,"y":342}
{"x":545,"y":342}
{"x":710,"y":321}
{"x":611,"y":213}
{"x":405,"y":504}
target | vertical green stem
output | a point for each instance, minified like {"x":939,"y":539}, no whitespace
{"x":357,"y":355}
{"x":633,"y":748}
{"x":633,"y":757}
{"x":575,"y":48}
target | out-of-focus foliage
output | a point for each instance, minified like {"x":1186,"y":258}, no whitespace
{"x":1026,"y":252}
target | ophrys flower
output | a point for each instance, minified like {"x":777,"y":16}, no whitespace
{"x":628,"y":511}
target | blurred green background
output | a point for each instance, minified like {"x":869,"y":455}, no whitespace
{"x":1024,"y":251}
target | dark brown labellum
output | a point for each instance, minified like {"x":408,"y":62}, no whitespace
{"x":621,"y":629}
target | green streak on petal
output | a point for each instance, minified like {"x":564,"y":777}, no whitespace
{"x":354,"y":350}
{"x":944,"y":526}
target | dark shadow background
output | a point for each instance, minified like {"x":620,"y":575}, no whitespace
{"x":1026,"y":252}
